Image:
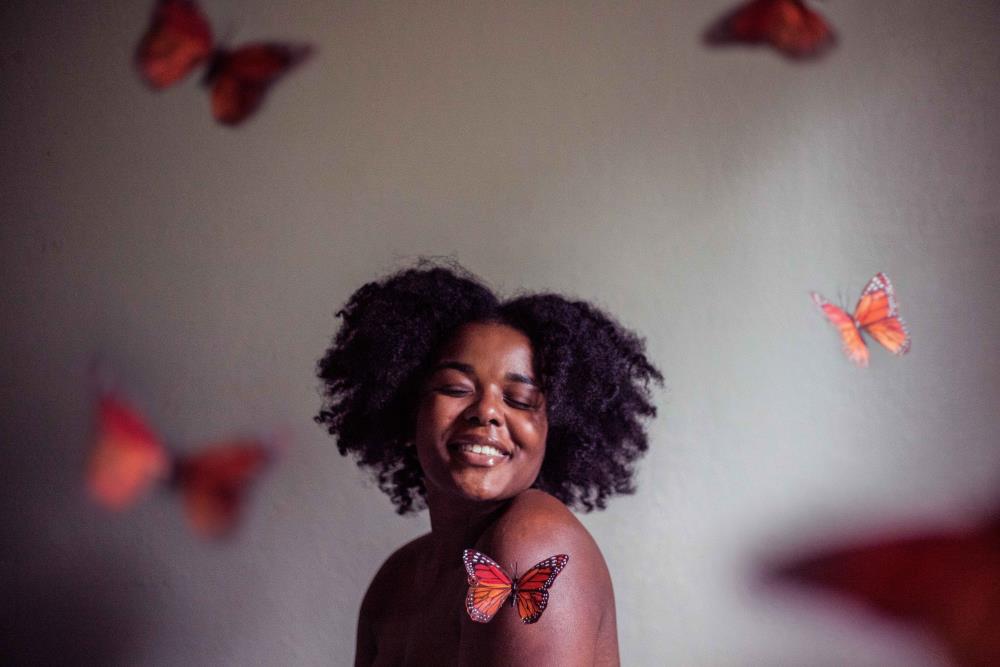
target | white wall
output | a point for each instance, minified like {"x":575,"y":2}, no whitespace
{"x":594,"y":148}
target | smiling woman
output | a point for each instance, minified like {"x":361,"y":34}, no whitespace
{"x":496,"y":416}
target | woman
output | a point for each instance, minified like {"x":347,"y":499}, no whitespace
{"x":496,"y":416}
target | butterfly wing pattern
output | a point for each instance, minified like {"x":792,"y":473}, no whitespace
{"x":876,"y":313}
{"x":127,"y":459}
{"x":213,"y":484}
{"x":787,"y":25}
{"x":532,"y":588}
{"x":850,"y":335}
{"x":179,"y":39}
{"x":490,"y":586}
{"x":240,"y":78}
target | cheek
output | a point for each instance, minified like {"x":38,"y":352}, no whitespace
{"x":435,"y":414}
{"x":531,"y":433}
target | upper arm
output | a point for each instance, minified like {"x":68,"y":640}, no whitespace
{"x":365,"y":647}
{"x":567,"y":632}
{"x":373,"y":614}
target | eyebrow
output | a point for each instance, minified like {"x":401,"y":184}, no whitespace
{"x":468,"y":370}
{"x":524,"y":379}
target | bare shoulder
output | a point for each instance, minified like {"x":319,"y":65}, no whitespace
{"x":538,"y":525}
{"x":577,"y":626}
{"x":396,"y":568}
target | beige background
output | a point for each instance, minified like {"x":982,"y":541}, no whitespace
{"x":594,"y":148}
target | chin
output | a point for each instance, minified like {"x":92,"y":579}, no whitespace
{"x":480,"y":490}
{"x":480,"y":494}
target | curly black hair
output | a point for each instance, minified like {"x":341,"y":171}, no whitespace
{"x":594,"y":374}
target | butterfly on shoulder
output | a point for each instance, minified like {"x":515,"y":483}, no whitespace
{"x":876,"y":314}
{"x":179,"y":39}
{"x":490,"y":586}
{"x":789,"y":26}
{"x":128,"y":460}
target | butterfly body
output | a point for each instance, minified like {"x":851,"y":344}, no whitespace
{"x":179,"y":40}
{"x":490,"y":587}
{"x":876,"y":313}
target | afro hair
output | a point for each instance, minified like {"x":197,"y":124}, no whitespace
{"x":594,"y":374}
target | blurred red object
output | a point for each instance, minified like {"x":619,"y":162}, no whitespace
{"x":179,"y":39}
{"x":128,"y":460}
{"x":214,"y":484}
{"x":788,"y":25}
{"x":945,"y":582}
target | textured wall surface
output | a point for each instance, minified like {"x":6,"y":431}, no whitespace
{"x":594,"y":148}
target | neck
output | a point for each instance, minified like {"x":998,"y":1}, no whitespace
{"x":457,"y":524}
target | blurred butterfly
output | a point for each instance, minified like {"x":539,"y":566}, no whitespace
{"x":788,"y":25}
{"x":128,"y":459}
{"x":179,"y":39}
{"x":947,"y":582}
{"x":876,"y":314}
{"x":490,"y":586}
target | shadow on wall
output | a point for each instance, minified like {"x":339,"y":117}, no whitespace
{"x":75,"y":617}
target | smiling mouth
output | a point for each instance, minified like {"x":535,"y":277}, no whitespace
{"x":481,"y":452}
{"x":475,"y":448}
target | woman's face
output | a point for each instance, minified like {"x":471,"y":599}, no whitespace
{"x":481,"y":422}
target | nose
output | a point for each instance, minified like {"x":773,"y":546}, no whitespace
{"x":485,"y":411}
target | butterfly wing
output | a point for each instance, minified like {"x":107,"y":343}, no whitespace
{"x":787,"y":25}
{"x":532,"y":590}
{"x":179,"y":38}
{"x":489,"y":586}
{"x":850,"y":336}
{"x":127,"y":457}
{"x":240,"y":78}
{"x":948,"y":583}
{"x":878,"y":315}
{"x":214,"y":484}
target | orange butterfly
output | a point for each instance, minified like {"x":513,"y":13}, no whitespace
{"x":787,"y":25}
{"x":948,"y":582}
{"x":876,"y":314}
{"x":179,"y":39}
{"x":128,"y":459}
{"x":490,"y":586}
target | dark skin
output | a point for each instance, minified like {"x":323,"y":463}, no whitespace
{"x":480,"y":434}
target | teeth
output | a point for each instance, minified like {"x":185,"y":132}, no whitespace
{"x":488,"y":450}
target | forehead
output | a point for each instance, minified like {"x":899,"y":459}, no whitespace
{"x":489,"y":344}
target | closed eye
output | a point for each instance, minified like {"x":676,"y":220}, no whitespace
{"x":520,"y":405}
{"x":452,"y":390}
